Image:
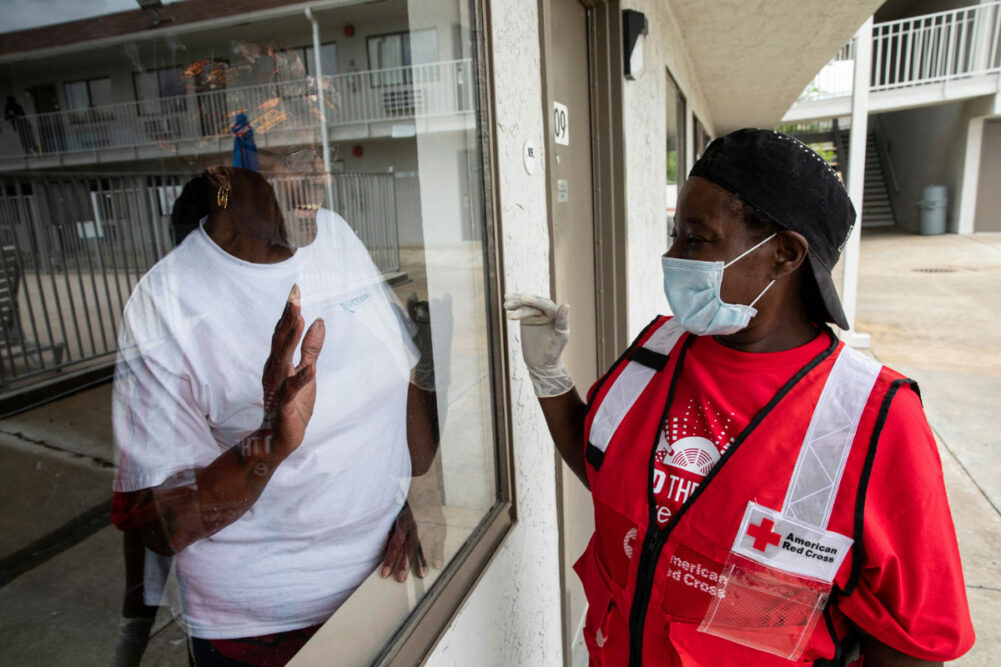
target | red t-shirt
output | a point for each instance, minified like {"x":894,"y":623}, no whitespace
{"x":911,"y":595}
{"x":718,"y":394}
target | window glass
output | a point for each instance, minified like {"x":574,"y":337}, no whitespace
{"x":676,"y":112}
{"x":395,"y":54}
{"x":700,"y":138}
{"x":328,"y":59}
{"x":245,"y":340}
{"x":386,"y":57}
{"x":77,"y":96}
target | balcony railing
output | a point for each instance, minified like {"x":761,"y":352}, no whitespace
{"x":921,"y":50}
{"x":421,"y":91}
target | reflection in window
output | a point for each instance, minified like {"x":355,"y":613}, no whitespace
{"x":700,"y":138}
{"x":676,"y":113}
{"x":328,"y":59}
{"x":85,"y":94}
{"x":398,"y":53}
{"x":261,"y":482}
{"x":160,"y":91}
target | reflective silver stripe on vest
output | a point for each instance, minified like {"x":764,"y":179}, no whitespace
{"x":822,"y":458}
{"x":629,"y":385}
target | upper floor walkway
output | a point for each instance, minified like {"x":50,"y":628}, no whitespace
{"x":391,"y":102}
{"x":916,"y":61}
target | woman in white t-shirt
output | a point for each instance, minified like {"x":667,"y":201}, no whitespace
{"x":271,"y":460}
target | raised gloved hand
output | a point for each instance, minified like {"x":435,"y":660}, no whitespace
{"x":545,"y":330}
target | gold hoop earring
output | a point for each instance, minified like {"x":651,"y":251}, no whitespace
{"x":222,"y":197}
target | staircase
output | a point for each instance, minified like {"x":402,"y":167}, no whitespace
{"x":877,"y":208}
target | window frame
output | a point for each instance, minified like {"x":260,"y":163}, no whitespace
{"x":86,"y":114}
{"x":416,"y":638}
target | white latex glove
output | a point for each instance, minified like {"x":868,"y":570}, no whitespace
{"x":545,"y":330}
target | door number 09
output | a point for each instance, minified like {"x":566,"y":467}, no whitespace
{"x":561,"y":124}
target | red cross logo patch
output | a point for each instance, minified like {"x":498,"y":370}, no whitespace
{"x":763,"y":534}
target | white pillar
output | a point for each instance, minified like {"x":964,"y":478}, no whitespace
{"x":328,"y":181}
{"x":971,"y":176}
{"x":856,"y":179}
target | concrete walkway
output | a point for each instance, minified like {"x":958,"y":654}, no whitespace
{"x":931,"y":307}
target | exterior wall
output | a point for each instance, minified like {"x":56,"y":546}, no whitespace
{"x":644,"y":123}
{"x":927,"y":146}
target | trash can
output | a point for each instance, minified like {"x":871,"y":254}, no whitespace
{"x":933,"y":209}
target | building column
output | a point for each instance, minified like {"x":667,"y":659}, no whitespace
{"x":856,"y":179}
{"x":971,"y":176}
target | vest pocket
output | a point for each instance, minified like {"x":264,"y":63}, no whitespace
{"x":606,"y":636}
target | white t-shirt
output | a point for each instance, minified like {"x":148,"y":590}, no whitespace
{"x":195,"y":335}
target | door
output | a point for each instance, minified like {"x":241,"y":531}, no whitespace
{"x":571,"y":192}
{"x":50,"y":127}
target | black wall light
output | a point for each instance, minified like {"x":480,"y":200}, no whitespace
{"x":634,"y":27}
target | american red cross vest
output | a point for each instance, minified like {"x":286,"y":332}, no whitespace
{"x":750,"y":569}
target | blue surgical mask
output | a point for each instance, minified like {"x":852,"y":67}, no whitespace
{"x":692,"y":287}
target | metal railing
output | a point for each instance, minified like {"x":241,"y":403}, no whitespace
{"x":919,"y":50}
{"x":399,"y":93}
{"x":73,"y":247}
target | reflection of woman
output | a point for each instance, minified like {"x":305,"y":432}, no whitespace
{"x":274,"y":490}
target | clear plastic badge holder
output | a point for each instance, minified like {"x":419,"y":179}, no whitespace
{"x":764,"y":608}
{"x":775,"y":582}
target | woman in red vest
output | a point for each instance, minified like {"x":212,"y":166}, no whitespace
{"x":763,"y":494}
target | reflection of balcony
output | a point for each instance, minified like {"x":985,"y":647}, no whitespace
{"x":430,"y":97}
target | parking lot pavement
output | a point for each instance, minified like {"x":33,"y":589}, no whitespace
{"x":929,"y":304}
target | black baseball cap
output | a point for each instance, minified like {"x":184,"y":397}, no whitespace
{"x":789,"y":181}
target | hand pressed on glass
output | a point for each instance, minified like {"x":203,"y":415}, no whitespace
{"x":290,"y":391}
{"x":403,"y":548}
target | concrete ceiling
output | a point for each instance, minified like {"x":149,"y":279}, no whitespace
{"x":752,"y":58}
